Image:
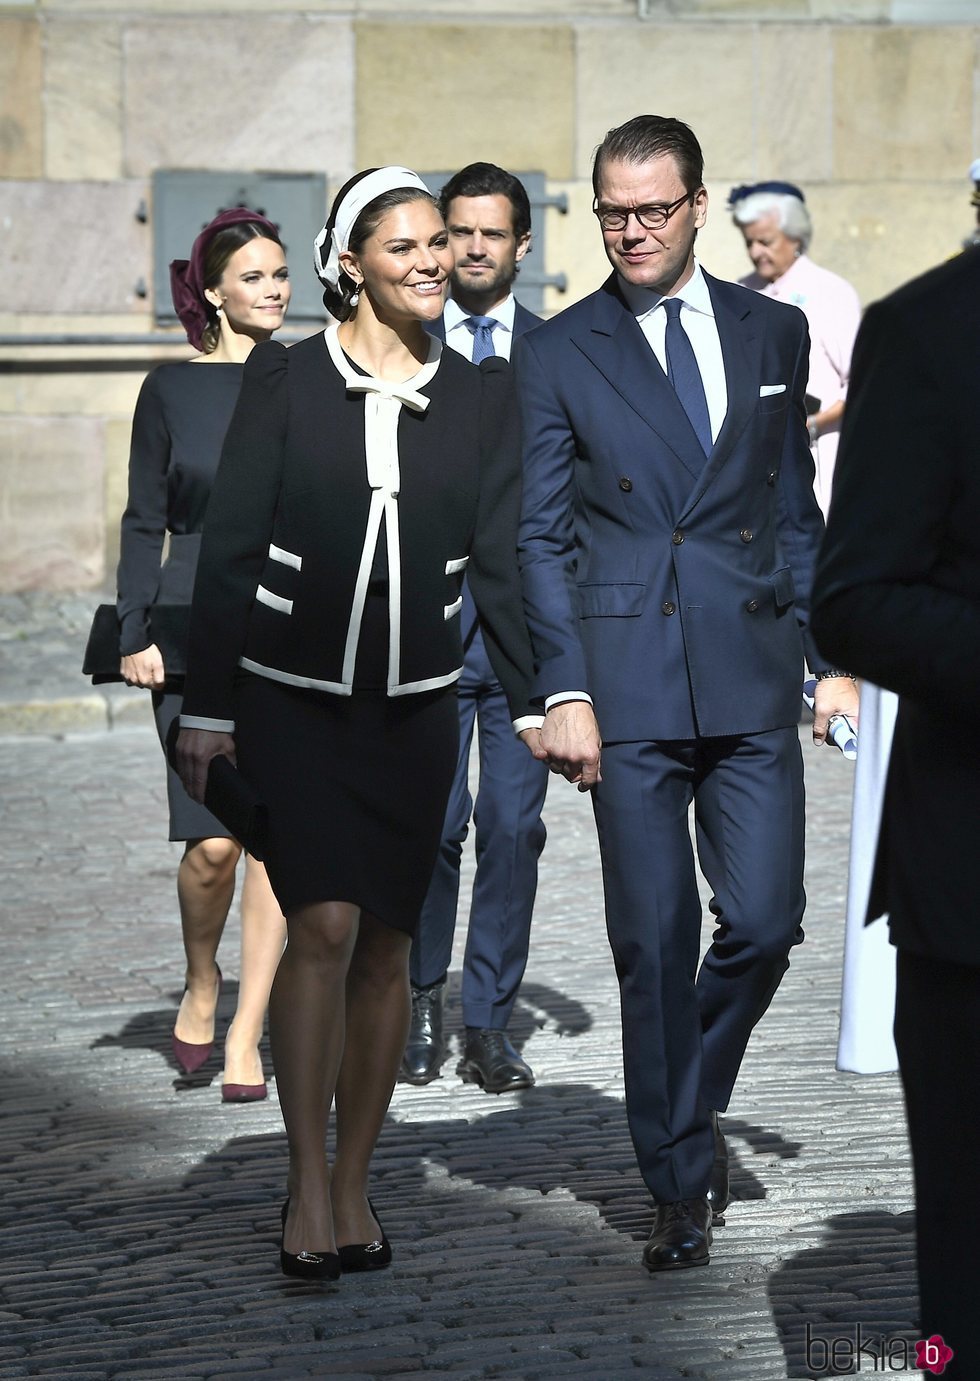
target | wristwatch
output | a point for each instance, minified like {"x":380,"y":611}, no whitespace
{"x":831,"y":673}
{"x":813,"y":431}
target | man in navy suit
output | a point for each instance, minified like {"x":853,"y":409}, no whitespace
{"x":489,"y":219}
{"x":669,"y":533}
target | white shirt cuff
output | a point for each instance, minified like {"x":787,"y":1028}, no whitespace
{"x":527,"y":721}
{"x":216,"y":726}
{"x":561,"y":697}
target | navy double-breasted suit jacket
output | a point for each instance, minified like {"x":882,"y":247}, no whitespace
{"x":671,"y":587}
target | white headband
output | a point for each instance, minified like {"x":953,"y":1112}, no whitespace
{"x":374,"y":185}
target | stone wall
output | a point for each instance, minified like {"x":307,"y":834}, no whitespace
{"x":874,"y":112}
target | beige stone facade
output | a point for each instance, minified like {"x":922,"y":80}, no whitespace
{"x":871,"y":105}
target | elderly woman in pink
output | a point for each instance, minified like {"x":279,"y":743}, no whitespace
{"x":776,"y":225}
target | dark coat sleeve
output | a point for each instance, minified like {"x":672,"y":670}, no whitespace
{"x":240,"y":517}
{"x":546,"y":531}
{"x":144,"y":523}
{"x":800,"y":521}
{"x":897,"y":594}
{"x":493,"y":574}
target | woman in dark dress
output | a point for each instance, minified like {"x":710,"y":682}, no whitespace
{"x":232,"y":292}
{"x":365,"y":470}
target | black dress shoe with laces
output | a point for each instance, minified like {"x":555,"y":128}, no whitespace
{"x":719,"y":1191}
{"x":425,"y":1048}
{"x":490,"y":1060}
{"x":681,"y":1235}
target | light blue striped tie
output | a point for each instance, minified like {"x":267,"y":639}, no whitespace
{"x":482,"y":328}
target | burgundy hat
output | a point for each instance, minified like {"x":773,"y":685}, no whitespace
{"x":187,"y":275}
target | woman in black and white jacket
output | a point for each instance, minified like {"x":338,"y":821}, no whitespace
{"x":365,"y":471}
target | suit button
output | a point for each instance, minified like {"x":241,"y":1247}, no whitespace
{"x":771,"y":477}
{"x":667,"y":607}
{"x":626,"y":484}
{"x":752,"y":606}
{"x":746,"y":534}
{"x":677,"y":538}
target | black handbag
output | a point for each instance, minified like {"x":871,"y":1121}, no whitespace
{"x":237,"y":805}
{"x":169,"y":624}
{"x":232,"y":799}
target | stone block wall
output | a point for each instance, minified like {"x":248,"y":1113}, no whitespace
{"x":871,"y":105}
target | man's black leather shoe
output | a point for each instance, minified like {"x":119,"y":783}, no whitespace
{"x":681,"y":1236}
{"x":425,"y":1048}
{"x":490,"y":1059}
{"x":719,"y":1192}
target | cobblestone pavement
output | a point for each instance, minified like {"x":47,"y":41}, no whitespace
{"x":139,"y":1215}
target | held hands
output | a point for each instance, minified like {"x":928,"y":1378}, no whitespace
{"x":570,"y":741}
{"x":833,"y":695}
{"x":143,"y":668}
{"x":195,"y":749}
{"x":531,"y":738}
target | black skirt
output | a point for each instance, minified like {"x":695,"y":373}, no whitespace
{"x":356,"y":788}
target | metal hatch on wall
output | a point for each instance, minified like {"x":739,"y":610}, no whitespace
{"x":184,"y":202}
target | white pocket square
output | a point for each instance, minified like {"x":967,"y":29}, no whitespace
{"x":767,"y":390}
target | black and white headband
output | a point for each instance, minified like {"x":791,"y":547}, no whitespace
{"x":375,"y":184}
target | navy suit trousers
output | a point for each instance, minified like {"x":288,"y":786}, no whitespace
{"x":685,"y":1029}
{"x":510,"y":835}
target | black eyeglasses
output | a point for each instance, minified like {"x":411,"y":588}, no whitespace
{"x":650,"y":217}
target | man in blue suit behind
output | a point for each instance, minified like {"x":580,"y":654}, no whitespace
{"x":488,"y":215}
{"x":669,"y":534}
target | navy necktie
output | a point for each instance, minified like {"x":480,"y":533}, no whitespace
{"x":683,"y":373}
{"x":482,"y":328}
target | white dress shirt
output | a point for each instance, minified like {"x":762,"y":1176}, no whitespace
{"x":462,"y":339}
{"x":698,"y":320}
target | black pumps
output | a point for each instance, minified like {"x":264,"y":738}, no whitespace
{"x":307,"y":1265}
{"x":371,"y":1256}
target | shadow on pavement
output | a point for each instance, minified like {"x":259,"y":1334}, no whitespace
{"x":837,"y":1307}
{"x":114,"y":1254}
{"x":152,"y":1030}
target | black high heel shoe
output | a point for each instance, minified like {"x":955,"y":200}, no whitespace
{"x":371,"y":1256}
{"x":307,"y":1265}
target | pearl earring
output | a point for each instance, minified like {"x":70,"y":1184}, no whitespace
{"x":355,"y":297}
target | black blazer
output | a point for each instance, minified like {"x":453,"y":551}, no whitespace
{"x":897,"y":595}
{"x":179,"y":425}
{"x":288,"y":548}
{"x":524,"y":321}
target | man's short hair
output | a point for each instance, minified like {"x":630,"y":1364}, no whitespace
{"x":487,"y":180}
{"x":652,"y":136}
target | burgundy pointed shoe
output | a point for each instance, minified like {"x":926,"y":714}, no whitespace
{"x":190,"y":1055}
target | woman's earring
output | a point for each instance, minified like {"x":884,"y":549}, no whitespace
{"x":355,"y":297}
{"x":217,"y":311}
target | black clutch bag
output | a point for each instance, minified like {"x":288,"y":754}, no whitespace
{"x":169,"y":624}
{"x":237,"y":805}
{"x":230,"y":798}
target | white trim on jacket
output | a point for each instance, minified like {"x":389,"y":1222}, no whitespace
{"x":383,"y":402}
